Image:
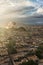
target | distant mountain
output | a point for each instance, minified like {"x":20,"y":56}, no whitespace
{"x":21,"y":29}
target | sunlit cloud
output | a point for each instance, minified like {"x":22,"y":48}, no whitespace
{"x":40,"y":10}
{"x":11,"y":9}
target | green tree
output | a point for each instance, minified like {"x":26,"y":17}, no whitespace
{"x":11,"y":46}
{"x":39,"y":52}
{"x":30,"y":62}
{"x":11,"y":49}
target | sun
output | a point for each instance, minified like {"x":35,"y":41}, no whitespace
{"x":7,"y":27}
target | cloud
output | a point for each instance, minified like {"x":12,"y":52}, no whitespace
{"x":40,"y":11}
{"x":21,"y":9}
{"x":37,"y":20}
{"x":18,"y":8}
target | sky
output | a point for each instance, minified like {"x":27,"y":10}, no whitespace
{"x":25,"y":11}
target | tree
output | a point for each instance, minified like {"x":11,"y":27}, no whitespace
{"x":39,"y":52}
{"x":30,"y":62}
{"x":11,"y":46}
{"x":11,"y":49}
